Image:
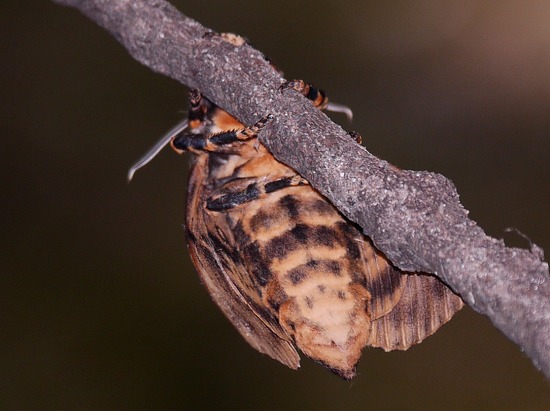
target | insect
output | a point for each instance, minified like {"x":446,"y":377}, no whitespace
{"x":285,"y":267}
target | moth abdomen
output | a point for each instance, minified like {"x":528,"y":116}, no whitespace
{"x":319,"y":299}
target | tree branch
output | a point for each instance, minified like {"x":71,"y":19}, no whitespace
{"x":415,"y":218}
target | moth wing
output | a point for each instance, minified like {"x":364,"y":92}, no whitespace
{"x":384,"y":283}
{"x":425,"y":305}
{"x":217,"y":269}
{"x":404,"y":308}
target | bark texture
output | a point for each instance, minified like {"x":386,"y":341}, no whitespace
{"x":414,"y":217}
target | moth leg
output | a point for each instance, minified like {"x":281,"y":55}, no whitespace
{"x":356,"y":136}
{"x":320,"y":100}
{"x":247,"y":133}
{"x":317,"y":96}
{"x":246,"y":190}
{"x":218,"y":142}
{"x":198,"y":109}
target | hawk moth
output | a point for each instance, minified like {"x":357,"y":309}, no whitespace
{"x":281,"y":262}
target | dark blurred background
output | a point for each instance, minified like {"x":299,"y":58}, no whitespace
{"x":100,"y":306}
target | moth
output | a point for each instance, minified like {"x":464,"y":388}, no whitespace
{"x":282,"y":263}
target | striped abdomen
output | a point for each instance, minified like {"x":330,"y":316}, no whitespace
{"x":307,"y":265}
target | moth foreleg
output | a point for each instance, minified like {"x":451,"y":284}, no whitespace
{"x":247,"y":133}
{"x":218,"y":142}
{"x":246,"y":190}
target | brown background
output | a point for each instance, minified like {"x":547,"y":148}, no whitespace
{"x":100,"y":307}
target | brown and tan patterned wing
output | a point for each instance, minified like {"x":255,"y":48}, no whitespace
{"x":425,"y":305}
{"x":217,"y":268}
{"x":384,"y":283}
{"x":404,"y":308}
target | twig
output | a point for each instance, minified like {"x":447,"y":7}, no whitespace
{"x":415,"y":218}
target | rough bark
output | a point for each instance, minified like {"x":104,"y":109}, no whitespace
{"x":414,"y":217}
